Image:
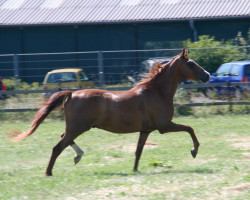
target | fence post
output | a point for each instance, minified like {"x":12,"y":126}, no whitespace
{"x":16,"y":68}
{"x":230,"y":106}
{"x":100,"y":68}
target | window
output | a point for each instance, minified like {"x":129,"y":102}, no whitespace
{"x":83,"y":76}
{"x":61,"y":77}
{"x":54,"y":78}
{"x":234,"y":70}
{"x":247,"y":70}
{"x":224,"y":70}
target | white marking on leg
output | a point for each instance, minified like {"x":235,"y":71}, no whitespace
{"x":79,"y":153}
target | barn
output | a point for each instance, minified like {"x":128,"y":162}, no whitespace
{"x":50,"y":26}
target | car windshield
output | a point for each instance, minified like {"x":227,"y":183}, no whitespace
{"x":61,"y":77}
{"x":228,"y":70}
{"x":83,"y":76}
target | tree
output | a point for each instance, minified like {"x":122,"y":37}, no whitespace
{"x":210,"y":53}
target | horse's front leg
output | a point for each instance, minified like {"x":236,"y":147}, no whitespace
{"x":141,"y":142}
{"x":172,"y":127}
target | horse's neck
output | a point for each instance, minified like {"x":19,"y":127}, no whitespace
{"x":167,"y":84}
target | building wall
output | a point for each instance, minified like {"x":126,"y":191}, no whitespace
{"x":104,"y":37}
{"x":223,"y":29}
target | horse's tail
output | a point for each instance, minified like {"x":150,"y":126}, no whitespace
{"x":55,"y":101}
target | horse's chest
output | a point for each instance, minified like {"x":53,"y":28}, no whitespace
{"x":159,"y":118}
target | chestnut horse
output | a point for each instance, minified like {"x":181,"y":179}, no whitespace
{"x":145,"y":108}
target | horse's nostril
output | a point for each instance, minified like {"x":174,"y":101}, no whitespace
{"x":205,"y":77}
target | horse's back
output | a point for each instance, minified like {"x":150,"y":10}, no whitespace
{"x":114,"y":111}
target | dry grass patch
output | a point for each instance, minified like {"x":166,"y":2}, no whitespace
{"x":242,"y":143}
{"x":132,"y":147}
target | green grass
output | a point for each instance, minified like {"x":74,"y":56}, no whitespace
{"x":167,"y":169}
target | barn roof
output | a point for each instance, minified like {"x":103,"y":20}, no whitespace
{"x":38,"y":12}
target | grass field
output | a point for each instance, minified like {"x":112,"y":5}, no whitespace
{"x":167,"y":169}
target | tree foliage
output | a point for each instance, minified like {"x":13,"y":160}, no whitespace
{"x":211,"y":53}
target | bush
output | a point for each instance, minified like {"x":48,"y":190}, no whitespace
{"x":211,"y":59}
{"x":182,"y":97}
{"x":12,"y":84}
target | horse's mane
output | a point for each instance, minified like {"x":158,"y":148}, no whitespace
{"x":157,"y":69}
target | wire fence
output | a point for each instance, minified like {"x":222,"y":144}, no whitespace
{"x":103,"y":67}
{"x":107,"y":69}
{"x":30,"y":99}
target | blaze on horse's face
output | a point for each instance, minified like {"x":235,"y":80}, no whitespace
{"x":192,"y":70}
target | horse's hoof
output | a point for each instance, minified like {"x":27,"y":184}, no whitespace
{"x":194,"y":153}
{"x":77,"y":159}
{"x":48,"y":174}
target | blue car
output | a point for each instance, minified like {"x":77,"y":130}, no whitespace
{"x":238,"y":71}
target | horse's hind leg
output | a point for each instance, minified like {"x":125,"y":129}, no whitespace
{"x":66,"y":140}
{"x":78,"y":150}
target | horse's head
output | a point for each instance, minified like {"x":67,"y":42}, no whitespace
{"x":191,"y":70}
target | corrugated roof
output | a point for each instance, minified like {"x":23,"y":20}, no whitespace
{"x":28,"y":12}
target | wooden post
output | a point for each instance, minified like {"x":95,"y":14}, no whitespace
{"x":230,"y":105}
{"x":100,"y":69}
{"x":16,"y":68}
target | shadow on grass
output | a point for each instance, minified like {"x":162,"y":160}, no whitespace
{"x":167,"y":171}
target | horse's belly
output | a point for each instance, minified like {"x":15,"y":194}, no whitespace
{"x":119,"y":130}
{"x":125,"y":124}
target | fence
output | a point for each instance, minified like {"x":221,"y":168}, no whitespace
{"x":103,"y":67}
{"x":228,"y":102}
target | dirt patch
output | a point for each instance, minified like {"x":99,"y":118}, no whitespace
{"x":112,"y":159}
{"x":114,"y":192}
{"x":240,"y":139}
{"x":150,"y":145}
{"x":241,"y":188}
{"x":242,"y":143}
{"x":236,"y":190}
{"x":247,"y":154}
{"x":71,"y":198}
{"x":199,"y":161}
{"x":132,"y":147}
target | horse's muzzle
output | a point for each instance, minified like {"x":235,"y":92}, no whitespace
{"x":205,"y":77}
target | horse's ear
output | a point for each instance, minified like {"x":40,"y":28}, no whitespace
{"x":184,"y":53}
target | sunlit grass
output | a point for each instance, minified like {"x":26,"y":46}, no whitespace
{"x":167,"y":169}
